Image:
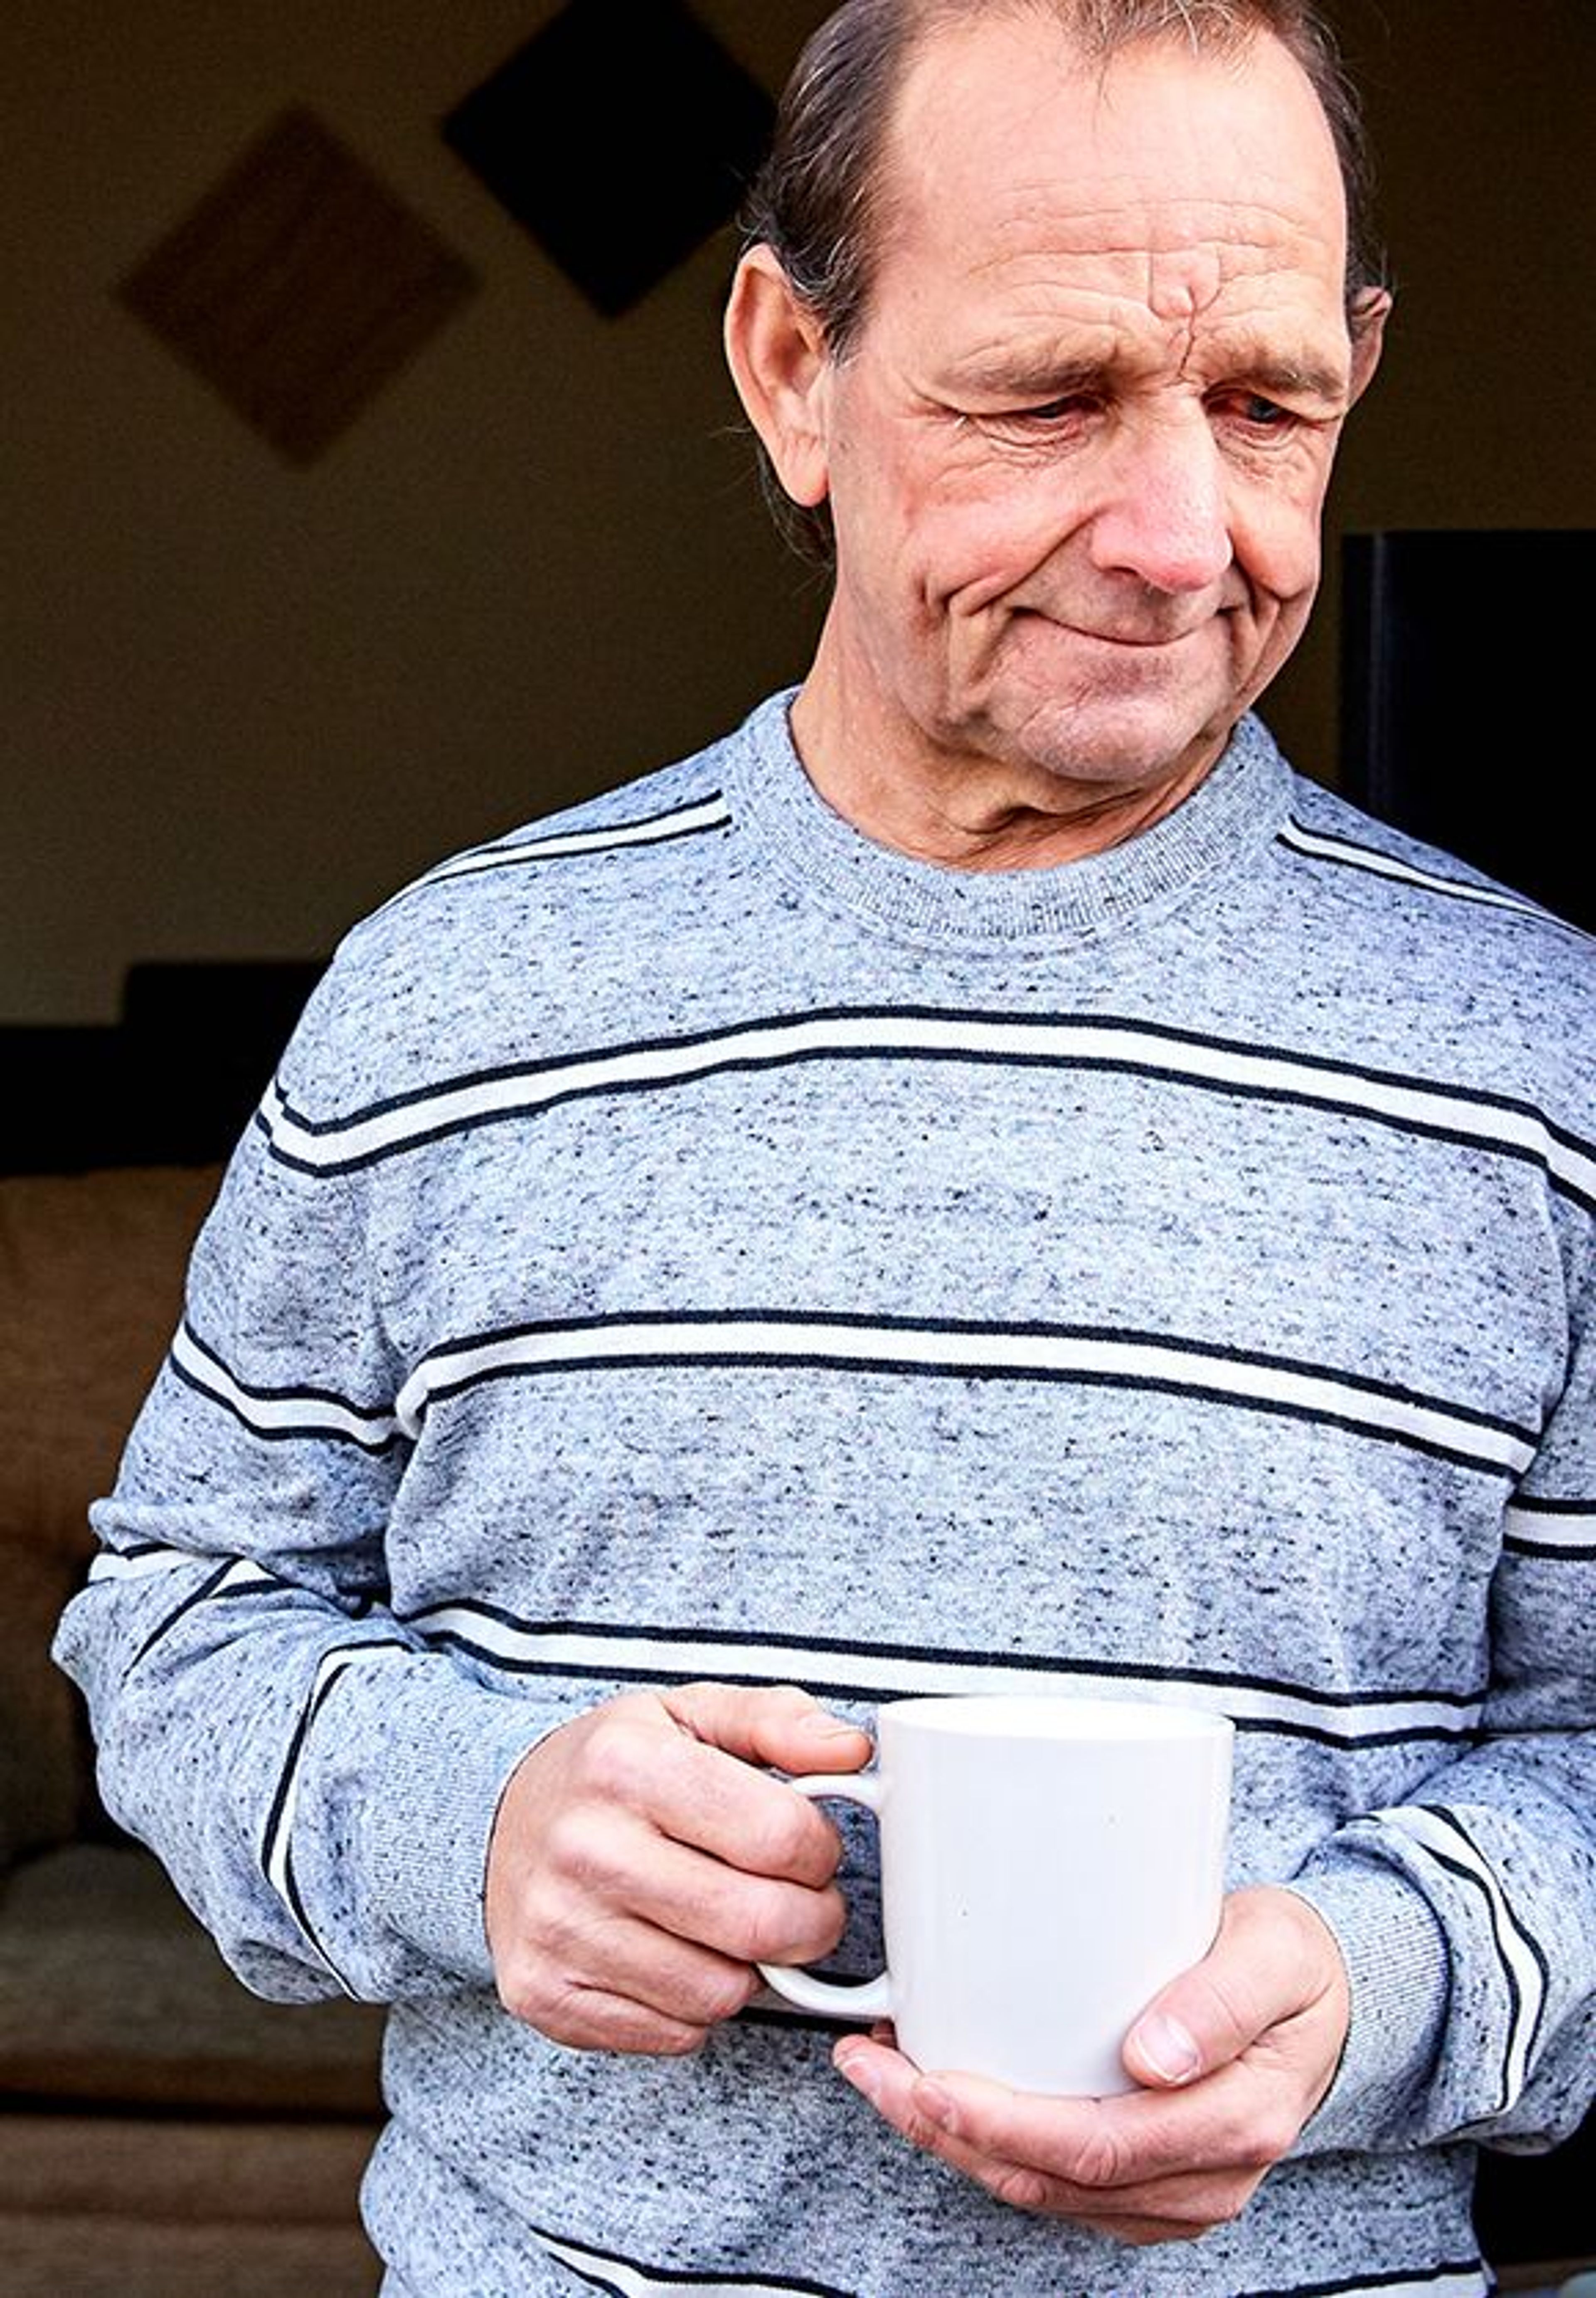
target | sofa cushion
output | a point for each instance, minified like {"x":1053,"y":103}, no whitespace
{"x":111,"y":1991}
{"x":91,"y":1276}
{"x":110,"y":2206}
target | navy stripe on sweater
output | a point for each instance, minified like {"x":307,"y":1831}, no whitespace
{"x":1495,"y":1123}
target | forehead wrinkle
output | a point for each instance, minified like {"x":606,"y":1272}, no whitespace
{"x":1239,"y":286}
{"x":1049,"y":226}
{"x":1039,"y":354}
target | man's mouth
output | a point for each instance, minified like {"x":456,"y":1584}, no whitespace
{"x":1133,"y":638}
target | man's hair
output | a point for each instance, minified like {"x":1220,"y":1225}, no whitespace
{"x":818,"y":200}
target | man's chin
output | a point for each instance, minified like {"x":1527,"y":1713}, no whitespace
{"x":1119,"y":744}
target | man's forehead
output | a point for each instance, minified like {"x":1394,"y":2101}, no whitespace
{"x":1002,"y":128}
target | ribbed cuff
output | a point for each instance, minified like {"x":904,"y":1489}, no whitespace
{"x":425,"y":1842}
{"x":1398,"y":1973}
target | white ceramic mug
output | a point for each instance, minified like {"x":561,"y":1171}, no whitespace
{"x":1047,"y":1866}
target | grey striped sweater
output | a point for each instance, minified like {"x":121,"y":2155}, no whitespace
{"x":685,"y":1239}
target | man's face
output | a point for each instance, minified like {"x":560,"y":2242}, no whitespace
{"x":1077,"y":454}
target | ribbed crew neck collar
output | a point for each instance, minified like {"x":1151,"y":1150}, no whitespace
{"x":1221,"y":825}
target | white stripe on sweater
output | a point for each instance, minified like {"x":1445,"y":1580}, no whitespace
{"x":862,"y":1672}
{"x":712,"y":813}
{"x":1440,"y":1835}
{"x":889,"y":1035}
{"x":1570,"y":1532}
{"x":629,"y":2280}
{"x":961,"y":1352}
{"x":279,"y":1412}
{"x":1320,"y":847}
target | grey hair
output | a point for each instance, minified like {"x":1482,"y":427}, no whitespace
{"x":817,"y":202}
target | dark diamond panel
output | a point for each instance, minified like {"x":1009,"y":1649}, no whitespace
{"x":298,"y":287}
{"x":620,"y":136}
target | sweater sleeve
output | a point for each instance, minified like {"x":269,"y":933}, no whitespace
{"x":1467,"y":1916}
{"x":320,"y":1785}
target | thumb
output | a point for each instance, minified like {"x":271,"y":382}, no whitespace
{"x":1273,"y":1958}
{"x":777,"y":1725}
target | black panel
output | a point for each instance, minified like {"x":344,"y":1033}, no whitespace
{"x":175,"y":1082}
{"x":1539,"y":2209}
{"x":1463,"y":698}
{"x":1463,"y":686}
{"x":621,"y":136}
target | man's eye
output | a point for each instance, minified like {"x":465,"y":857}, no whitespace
{"x":1047,"y":416}
{"x":1262,"y":414}
{"x":1054,"y":410}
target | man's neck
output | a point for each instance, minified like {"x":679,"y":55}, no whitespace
{"x":963,"y":810}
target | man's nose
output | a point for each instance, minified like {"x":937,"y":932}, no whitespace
{"x":1163,"y":516}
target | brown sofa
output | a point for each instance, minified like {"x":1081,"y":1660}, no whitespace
{"x":162,"y":2132}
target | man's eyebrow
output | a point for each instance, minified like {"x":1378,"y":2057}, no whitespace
{"x":1039,"y":380}
{"x":1290,"y":378}
{"x":1005,"y":376}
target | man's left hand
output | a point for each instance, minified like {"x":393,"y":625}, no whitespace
{"x":1231,"y":2059}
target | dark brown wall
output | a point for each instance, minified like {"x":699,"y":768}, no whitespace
{"x":244,"y":700}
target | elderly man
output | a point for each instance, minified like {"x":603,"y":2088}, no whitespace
{"x":981,"y":1177}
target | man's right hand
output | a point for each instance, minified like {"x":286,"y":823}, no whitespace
{"x":643,"y":1861}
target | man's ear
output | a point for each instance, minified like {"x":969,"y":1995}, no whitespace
{"x":777,"y":350}
{"x":1369,"y":314}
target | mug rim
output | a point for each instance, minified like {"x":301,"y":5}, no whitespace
{"x":1049,"y":1715}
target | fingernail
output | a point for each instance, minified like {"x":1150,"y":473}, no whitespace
{"x":1168,"y":2049}
{"x":830,"y":1727}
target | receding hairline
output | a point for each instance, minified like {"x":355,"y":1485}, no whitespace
{"x":1097,"y":32}
{"x":1232,"y":39}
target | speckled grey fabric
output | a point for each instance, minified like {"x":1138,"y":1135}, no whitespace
{"x":686,"y":1239}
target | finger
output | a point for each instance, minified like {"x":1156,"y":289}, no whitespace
{"x":603,"y":1864}
{"x":698,"y":1793}
{"x":1018,"y":2148}
{"x":677,"y":1889}
{"x":591,"y":2019}
{"x":1089,"y":2145}
{"x":586,"y":1982}
{"x":688,"y":1763}
{"x":636,"y":1765}
{"x":1275,"y":1960}
{"x":774,"y":1725}
{"x":912,"y":2105}
{"x":1121,"y":2146}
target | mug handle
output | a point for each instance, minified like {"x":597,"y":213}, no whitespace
{"x":873,"y":1998}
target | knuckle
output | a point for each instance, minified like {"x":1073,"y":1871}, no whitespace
{"x":575,"y":1847}
{"x":789,"y":1700}
{"x":618,"y":1757}
{"x":920,"y":2131}
{"x":563,"y":2018}
{"x":1235,"y":2015}
{"x":1271,"y":2141}
{"x":518,"y":1997}
{"x":791,"y":1837}
{"x":773,"y":1929}
{"x":1223,"y":2203}
{"x":730,"y":1991}
{"x":1098,"y":2160}
{"x":524,"y":1994}
{"x":680,"y":2041}
{"x":1224,"y":2209}
{"x":1019,"y":2188}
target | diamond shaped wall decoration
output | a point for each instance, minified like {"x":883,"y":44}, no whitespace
{"x":620,"y":136}
{"x":298,"y":287}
